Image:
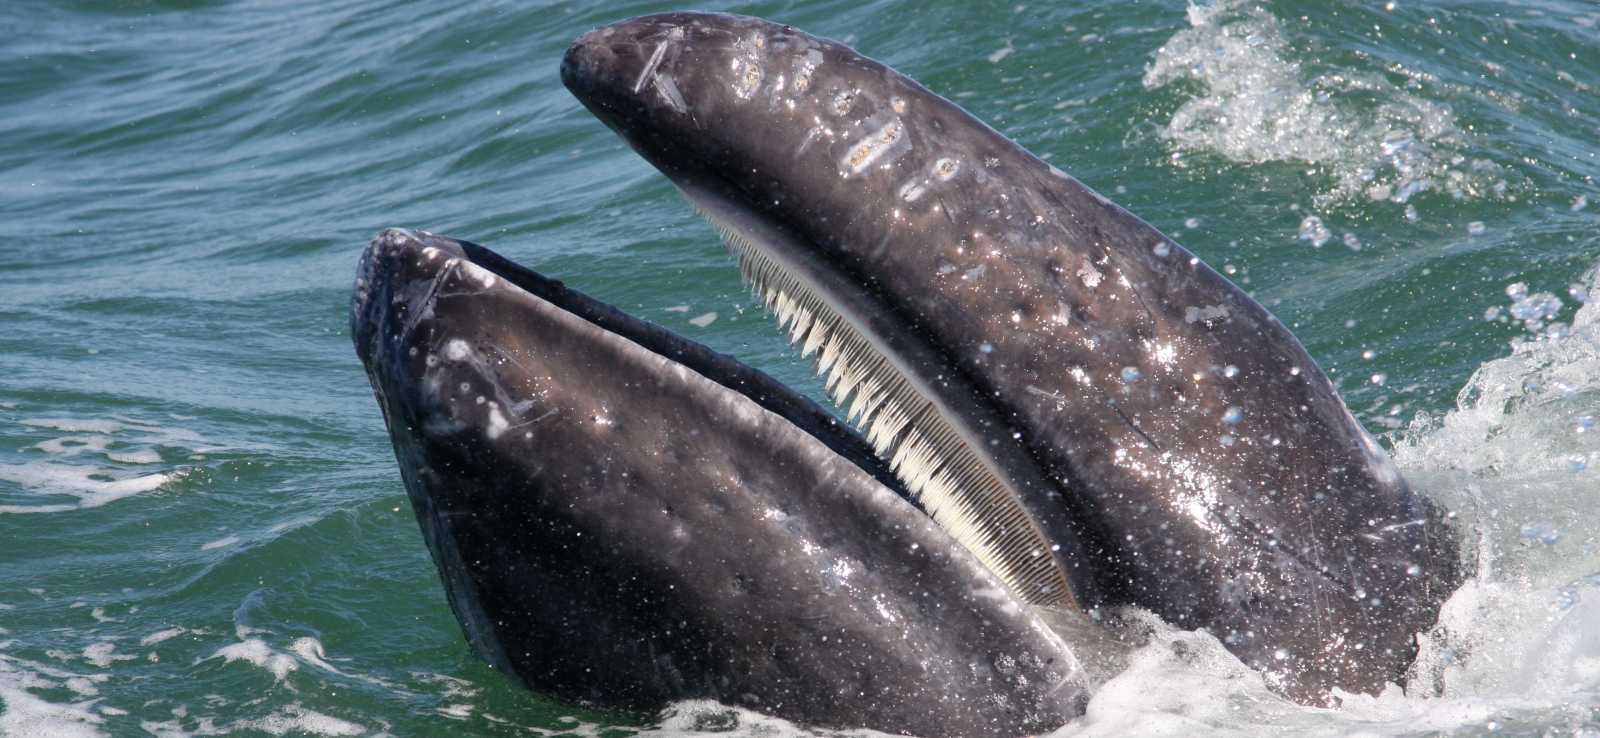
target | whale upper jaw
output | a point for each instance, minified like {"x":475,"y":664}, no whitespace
{"x":1119,"y":397}
{"x":622,"y":516}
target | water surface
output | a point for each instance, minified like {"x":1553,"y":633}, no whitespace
{"x":202,"y":527}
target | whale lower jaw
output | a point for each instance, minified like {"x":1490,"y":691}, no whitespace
{"x":623,"y":517}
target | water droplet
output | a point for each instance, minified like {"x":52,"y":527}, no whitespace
{"x":1226,"y":440}
{"x":1233,"y":415}
{"x":1281,"y":654}
{"x":1230,"y":371}
{"x":1475,"y":228}
{"x":1312,"y":229}
{"x":1414,"y":570}
{"x":986,"y":347}
{"x":1191,"y":223}
{"x":1380,"y":378}
{"x":1161,"y":249}
{"x":1130,"y":374}
{"x":1534,"y":308}
{"x":1368,"y":354}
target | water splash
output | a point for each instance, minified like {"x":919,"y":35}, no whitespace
{"x":1260,"y":99}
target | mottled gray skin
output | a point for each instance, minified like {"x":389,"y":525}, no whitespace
{"x":1289,"y":533}
{"x":628,"y":526}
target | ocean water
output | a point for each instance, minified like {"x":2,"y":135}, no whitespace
{"x":202,"y":527}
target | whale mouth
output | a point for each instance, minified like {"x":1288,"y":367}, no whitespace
{"x":578,"y":473}
{"x":954,"y":455}
{"x":403,"y":271}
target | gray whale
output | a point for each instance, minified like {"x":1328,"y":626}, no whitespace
{"x":1057,"y":409}
{"x":1099,"y":416}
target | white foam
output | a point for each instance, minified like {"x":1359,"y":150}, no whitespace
{"x":220,"y":543}
{"x":77,"y":481}
{"x":294,"y":719}
{"x":1261,"y":102}
{"x":27,"y":716}
{"x":456,"y":711}
{"x":256,"y":651}
{"x":74,"y":425}
{"x":143,"y":456}
{"x":161,"y":635}
{"x":704,"y":320}
{"x":707,"y":719}
{"x":454,"y":687}
{"x":103,"y":654}
{"x":74,"y":445}
{"x":121,"y":441}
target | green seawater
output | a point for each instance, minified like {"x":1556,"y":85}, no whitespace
{"x":202,"y":526}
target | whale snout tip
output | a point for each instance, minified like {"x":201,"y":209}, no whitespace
{"x":611,"y":63}
{"x":602,"y":58}
{"x":579,"y":63}
{"x":392,"y":259}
